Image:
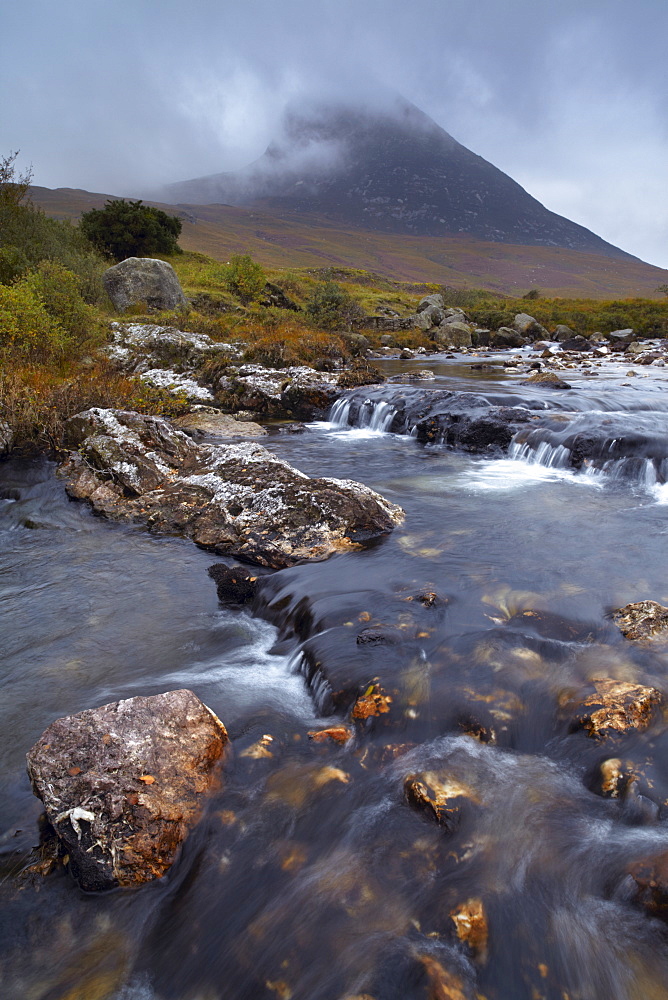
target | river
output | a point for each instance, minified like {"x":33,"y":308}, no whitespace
{"x":310,"y":877}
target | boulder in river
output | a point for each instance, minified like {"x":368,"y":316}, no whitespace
{"x":549,"y":379}
{"x":139,"y":280}
{"x":641,"y":620}
{"x":617,"y":707}
{"x":529,"y":327}
{"x":235,"y":499}
{"x":123,"y":784}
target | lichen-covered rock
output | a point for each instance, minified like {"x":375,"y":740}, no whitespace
{"x":143,"y":347}
{"x":139,"y":280}
{"x":235,"y":499}
{"x":123,"y":784}
{"x":205,"y":421}
{"x":616,"y":708}
{"x":641,"y":620}
{"x":300,"y":391}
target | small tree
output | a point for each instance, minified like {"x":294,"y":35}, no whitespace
{"x":245,"y":278}
{"x":13,"y":187}
{"x":131,"y":229}
{"x":663,"y":289}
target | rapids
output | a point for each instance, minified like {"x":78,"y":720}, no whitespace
{"x":310,"y":876}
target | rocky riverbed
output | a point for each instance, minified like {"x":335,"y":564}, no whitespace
{"x":445,"y":773}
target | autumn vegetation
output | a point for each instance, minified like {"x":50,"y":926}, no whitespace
{"x":55,"y":315}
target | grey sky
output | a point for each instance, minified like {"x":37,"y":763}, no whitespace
{"x":569,"y":98}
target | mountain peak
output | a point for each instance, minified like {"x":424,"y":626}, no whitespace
{"x":389,"y":168}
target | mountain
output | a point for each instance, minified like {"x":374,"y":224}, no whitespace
{"x":391,"y":171}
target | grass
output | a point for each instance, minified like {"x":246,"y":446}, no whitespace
{"x":308,"y":243}
{"x":50,"y":366}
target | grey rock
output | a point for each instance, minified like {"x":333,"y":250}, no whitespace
{"x":235,"y":499}
{"x":213,"y":423}
{"x":529,"y":327}
{"x":453,"y":334}
{"x":576,"y":344}
{"x":506,"y":337}
{"x":139,"y":280}
{"x":563,"y":332}
{"x":430,"y":301}
{"x":142,"y":347}
{"x":123,"y":784}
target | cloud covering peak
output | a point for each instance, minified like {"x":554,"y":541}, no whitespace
{"x":568,"y":97}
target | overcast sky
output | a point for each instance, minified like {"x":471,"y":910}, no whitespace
{"x":570,"y":97}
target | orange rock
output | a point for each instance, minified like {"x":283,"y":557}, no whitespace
{"x":471,"y":926}
{"x":641,"y":620}
{"x":440,"y":796}
{"x":335,"y":734}
{"x":372,"y":703}
{"x":443,"y":985}
{"x":617,"y":707}
{"x":144,"y":765}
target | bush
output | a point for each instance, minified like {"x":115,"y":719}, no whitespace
{"x":245,"y":278}
{"x":60,"y":291}
{"x":332,"y":308}
{"x":26,"y":328}
{"x":28,"y":236}
{"x":131,"y":229}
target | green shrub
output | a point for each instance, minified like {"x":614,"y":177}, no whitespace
{"x":331,"y":307}
{"x":26,"y":328}
{"x":131,"y":229}
{"x":60,"y":292}
{"x":245,"y":278}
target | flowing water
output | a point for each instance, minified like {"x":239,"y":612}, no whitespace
{"x":310,"y":877}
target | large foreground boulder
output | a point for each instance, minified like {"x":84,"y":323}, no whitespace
{"x":235,"y":499}
{"x":123,"y":784}
{"x":139,"y":280}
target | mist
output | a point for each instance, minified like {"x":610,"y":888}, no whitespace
{"x":568,"y":98}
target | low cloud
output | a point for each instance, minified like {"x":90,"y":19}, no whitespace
{"x":567,"y":98}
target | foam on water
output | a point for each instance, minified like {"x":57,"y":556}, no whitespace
{"x":250,"y":675}
{"x":504,"y":474}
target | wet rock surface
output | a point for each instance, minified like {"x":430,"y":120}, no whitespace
{"x":235,"y":499}
{"x":124,"y":783}
{"x":617,"y":707}
{"x":642,"y":620}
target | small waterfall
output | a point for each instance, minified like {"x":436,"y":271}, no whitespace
{"x":550,"y":455}
{"x":370,"y":415}
{"x":609,"y":464}
{"x":340,"y":411}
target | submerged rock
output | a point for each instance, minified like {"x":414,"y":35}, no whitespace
{"x":641,"y":620}
{"x":617,"y":707}
{"x":139,"y":280}
{"x":548,"y":379}
{"x":440,"y":796}
{"x":235,"y":499}
{"x":123,"y":784}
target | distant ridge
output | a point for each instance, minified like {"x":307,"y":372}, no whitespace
{"x":392,"y":171}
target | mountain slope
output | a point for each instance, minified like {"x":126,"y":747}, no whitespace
{"x":459,"y":261}
{"x":393,"y":171}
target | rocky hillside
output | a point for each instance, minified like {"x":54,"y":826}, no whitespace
{"x":394,"y":171}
